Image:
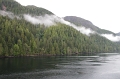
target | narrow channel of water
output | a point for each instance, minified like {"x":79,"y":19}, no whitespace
{"x":101,"y":66}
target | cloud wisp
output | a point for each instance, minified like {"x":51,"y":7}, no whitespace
{"x":49,"y":20}
{"x":111,"y":37}
{"x":82,"y":29}
{"x":9,"y":14}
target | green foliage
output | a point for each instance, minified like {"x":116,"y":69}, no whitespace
{"x":16,"y":50}
{"x":21,"y":38}
{"x":1,"y":49}
{"x":15,"y":35}
{"x":16,"y":8}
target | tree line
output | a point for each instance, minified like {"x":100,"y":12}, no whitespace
{"x":21,"y":38}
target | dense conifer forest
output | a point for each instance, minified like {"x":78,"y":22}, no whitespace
{"x":21,"y":38}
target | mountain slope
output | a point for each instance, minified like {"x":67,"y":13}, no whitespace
{"x":19,"y":37}
{"x":118,"y":34}
{"x":82,"y":22}
{"x":16,"y":8}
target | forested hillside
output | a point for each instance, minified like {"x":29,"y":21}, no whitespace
{"x":16,"y":8}
{"x":82,"y":22}
{"x":21,"y":38}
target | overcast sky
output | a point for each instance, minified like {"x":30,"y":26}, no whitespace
{"x":102,"y":13}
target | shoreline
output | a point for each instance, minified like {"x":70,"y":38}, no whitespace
{"x":48,"y":55}
{"x":31,"y":56}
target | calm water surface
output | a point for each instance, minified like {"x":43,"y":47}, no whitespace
{"x":101,"y":66}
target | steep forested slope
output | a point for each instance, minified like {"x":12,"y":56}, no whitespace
{"x":21,"y":38}
{"x":16,"y":8}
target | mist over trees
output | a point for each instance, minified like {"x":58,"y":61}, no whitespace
{"x":21,"y":38}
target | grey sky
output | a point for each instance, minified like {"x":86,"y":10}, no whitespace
{"x":103,"y":13}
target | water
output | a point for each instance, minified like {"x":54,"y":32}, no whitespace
{"x":101,"y":66}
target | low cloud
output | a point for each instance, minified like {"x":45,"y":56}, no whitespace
{"x":111,"y":37}
{"x":49,"y":20}
{"x":82,"y":29}
{"x":9,"y":14}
